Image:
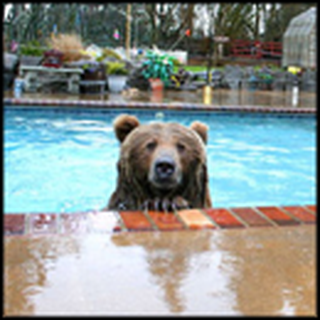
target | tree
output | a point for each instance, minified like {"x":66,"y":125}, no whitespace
{"x":279,"y":17}
{"x":163,"y":24}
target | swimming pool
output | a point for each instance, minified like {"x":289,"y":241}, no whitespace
{"x":64,"y":159}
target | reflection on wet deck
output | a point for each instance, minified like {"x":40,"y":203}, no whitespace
{"x":246,"y":271}
{"x":220,"y":97}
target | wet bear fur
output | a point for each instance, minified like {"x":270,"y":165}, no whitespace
{"x":162,"y":166}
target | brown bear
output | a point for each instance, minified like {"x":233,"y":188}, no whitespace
{"x":162,"y":166}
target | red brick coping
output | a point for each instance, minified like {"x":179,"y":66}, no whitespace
{"x":151,"y":105}
{"x":128,"y":221}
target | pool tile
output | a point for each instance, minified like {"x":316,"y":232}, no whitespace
{"x":103,"y":221}
{"x":251,"y":217}
{"x":312,"y":208}
{"x":135,"y":221}
{"x":223,"y":218}
{"x":301,"y":213}
{"x":76,"y":222}
{"x":165,"y":221}
{"x":195,"y":219}
{"x":112,"y":221}
{"x":41,"y":223}
{"x":277,"y":215}
{"x":14,"y":224}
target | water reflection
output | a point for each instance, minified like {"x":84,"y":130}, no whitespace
{"x":168,"y":257}
{"x":221,"y":97}
{"x":257,"y":271}
{"x":272,"y":273}
{"x":26,"y":264}
{"x":248,"y":272}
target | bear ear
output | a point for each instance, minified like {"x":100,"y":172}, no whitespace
{"x":201,"y":129}
{"x":124,"y":124}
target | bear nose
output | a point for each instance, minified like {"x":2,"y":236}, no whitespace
{"x":164,"y":168}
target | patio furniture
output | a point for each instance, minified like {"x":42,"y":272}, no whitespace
{"x":37,"y":77}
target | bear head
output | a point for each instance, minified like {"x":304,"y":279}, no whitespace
{"x":162,"y":165}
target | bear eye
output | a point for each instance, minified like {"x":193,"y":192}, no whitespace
{"x":151,"y":145}
{"x":181,"y":147}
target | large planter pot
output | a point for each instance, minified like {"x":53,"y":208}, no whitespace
{"x":156,"y":84}
{"x":117,"y":82}
{"x":156,"y":90}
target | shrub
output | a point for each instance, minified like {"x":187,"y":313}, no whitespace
{"x":158,"y":65}
{"x":116,"y":68}
{"x":69,"y":44}
{"x":109,"y":53}
{"x":32,"y":48}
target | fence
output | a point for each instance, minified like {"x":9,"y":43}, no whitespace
{"x":255,"y":49}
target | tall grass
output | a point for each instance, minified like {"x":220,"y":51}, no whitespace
{"x":69,"y":44}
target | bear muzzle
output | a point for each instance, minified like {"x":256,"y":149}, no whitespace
{"x":164,"y":173}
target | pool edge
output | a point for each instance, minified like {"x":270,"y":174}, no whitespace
{"x":23,"y":224}
{"x":155,"y":105}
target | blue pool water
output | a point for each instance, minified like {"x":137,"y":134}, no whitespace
{"x":64,"y":160}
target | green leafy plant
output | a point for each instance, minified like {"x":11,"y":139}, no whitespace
{"x":109,"y":53}
{"x":265,"y":77}
{"x":32,"y":48}
{"x":158,"y":66}
{"x":116,"y":68}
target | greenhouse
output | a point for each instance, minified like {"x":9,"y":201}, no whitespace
{"x":299,"y":41}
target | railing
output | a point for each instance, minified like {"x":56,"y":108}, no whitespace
{"x":256,"y":49}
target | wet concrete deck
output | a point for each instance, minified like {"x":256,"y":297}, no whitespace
{"x":242,"y":262}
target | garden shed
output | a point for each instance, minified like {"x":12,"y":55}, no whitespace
{"x":299,"y":41}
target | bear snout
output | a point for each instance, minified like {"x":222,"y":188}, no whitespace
{"x":164,"y":173}
{"x":164,"y":168}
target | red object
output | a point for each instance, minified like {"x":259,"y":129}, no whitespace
{"x":311,"y":208}
{"x":157,"y":90}
{"x":188,"y":32}
{"x":14,"y":224}
{"x":277,"y":216}
{"x":223,"y":218}
{"x":165,"y":221}
{"x":255,"y":49}
{"x":301,"y":213}
{"x":52,"y":58}
{"x":156,"y":84}
{"x":135,"y":220}
{"x":251,"y":217}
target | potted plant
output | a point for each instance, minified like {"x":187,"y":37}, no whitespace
{"x":158,"y":67}
{"x":31,"y":54}
{"x":117,"y":75}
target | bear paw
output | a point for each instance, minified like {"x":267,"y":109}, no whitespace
{"x":166,"y":204}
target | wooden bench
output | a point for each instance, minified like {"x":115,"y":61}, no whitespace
{"x":35,"y":77}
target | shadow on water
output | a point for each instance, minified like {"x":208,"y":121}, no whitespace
{"x":258,"y":271}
